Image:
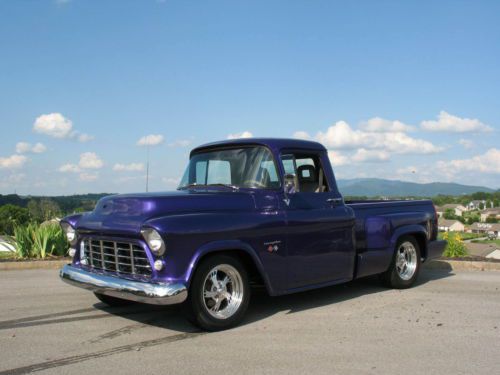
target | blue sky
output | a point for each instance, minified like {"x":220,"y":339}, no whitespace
{"x":398,"y":90}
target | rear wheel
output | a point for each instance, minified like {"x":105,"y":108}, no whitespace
{"x":112,"y":301}
{"x":219,"y":293}
{"x":405,"y":265}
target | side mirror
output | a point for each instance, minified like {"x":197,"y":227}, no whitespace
{"x":291,"y":186}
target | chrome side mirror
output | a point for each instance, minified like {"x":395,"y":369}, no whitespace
{"x":291,"y":183}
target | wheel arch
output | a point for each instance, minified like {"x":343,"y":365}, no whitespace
{"x":416,"y":231}
{"x":244,"y":252}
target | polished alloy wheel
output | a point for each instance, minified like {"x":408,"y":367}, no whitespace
{"x":406,"y":260}
{"x":222,"y":291}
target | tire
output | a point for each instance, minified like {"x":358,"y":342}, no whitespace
{"x":405,"y":265}
{"x":112,"y":301}
{"x":219,"y":293}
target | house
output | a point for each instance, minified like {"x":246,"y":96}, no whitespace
{"x":490,"y":212}
{"x":476,"y":205}
{"x":486,"y":228}
{"x":445,"y":225}
{"x":457,"y":209}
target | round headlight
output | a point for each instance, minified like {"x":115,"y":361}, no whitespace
{"x":70,"y":232}
{"x":154,"y":241}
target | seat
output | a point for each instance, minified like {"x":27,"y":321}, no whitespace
{"x":308,"y":179}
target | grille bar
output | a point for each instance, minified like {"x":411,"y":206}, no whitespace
{"x":121,"y":257}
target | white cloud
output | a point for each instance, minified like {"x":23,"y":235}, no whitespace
{"x":364,"y":155}
{"x":13,"y":162}
{"x":82,"y":137}
{"x":90,"y":160}
{"x":57,"y":126}
{"x":69,"y":168}
{"x":377,"y":124}
{"x":128,"y":167}
{"x":24,"y":147}
{"x":342,"y":136}
{"x":468,"y":144}
{"x":150,"y":140}
{"x":170,"y":182}
{"x":180,"y":143}
{"x":337,"y":159}
{"x":450,"y":123}
{"x":302,"y":135}
{"x":245,"y":134}
{"x":88,"y":177}
{"x":489,"y":162}
{"x":54,"y":125}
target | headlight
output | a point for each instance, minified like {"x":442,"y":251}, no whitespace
{"x":70,"y":232}
{"x":154,"y":241}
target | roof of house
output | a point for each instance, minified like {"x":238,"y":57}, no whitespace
{"x":494,"y":210}
{"x":486,"y":227}
{"x":476,"y":202}
{"x":452,"y":205}
{"x":446,"y":222}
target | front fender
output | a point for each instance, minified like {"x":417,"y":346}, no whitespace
{"x":227,"y":245}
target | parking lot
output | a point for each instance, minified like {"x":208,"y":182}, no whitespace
{"x":448,"y":324}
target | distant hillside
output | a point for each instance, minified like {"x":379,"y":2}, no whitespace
{"x":371,"y":187}
{"x":67,"y":203}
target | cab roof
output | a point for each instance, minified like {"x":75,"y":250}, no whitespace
{"x":275,"y":144}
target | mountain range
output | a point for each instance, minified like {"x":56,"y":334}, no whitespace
{"x":372,"y":187}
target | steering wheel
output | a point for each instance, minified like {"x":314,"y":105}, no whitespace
{"x":253,"y":183}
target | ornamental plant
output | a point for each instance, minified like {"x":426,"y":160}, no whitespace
{"x":455,"y":247}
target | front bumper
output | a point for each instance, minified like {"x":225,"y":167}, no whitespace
{"x":155,"y":294}
{"x":435,"y":249}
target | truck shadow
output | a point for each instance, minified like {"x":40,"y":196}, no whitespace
{"x":262,"y":306}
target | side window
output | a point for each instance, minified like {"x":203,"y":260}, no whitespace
{"x":309,"y":172}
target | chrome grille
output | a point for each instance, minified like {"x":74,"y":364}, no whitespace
{"x":121,"y":257}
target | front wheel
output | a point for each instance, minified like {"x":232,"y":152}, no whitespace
{"x":219,"y":293}
{"x":405,"y":265}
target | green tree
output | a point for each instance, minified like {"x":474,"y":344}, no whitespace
{"x":10,"y":216}
{"x":449,"y":214}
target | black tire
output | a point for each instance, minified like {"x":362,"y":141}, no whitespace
{"x":196,"y":307}
{"x":392,"y":277}
{"x":112,"y":301}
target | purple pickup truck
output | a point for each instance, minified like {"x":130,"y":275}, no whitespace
{"x":246,"y":212}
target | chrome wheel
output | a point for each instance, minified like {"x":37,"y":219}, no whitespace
{"x":406,"y":260}
{"x":222,"y":291}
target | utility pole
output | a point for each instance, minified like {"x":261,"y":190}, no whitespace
{"x":147,"y":169}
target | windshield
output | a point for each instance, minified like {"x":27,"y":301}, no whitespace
{"x":246,"y":167}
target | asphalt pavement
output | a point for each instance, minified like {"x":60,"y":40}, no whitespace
{"x":448,"y":324}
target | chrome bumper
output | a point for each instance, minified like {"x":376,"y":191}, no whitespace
{"x":155,"y":294}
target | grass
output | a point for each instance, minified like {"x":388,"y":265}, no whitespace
{"x":463,"y":235}
{"x":487,"y":242}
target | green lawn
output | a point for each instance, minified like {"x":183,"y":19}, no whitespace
{"x":463,"y":236}
{"x":492,"y":242}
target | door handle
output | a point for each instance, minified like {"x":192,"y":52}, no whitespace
{"x":335,"y":200}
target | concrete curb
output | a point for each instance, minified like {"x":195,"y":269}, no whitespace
{"x":455,"y":265}
{"x":34,"y":264}
{"x":463,"y":265}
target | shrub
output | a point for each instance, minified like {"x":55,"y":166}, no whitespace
{"x":455,"y":247}
{"x":39,"y":241}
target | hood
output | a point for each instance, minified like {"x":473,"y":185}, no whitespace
{"x":127,"y":213}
